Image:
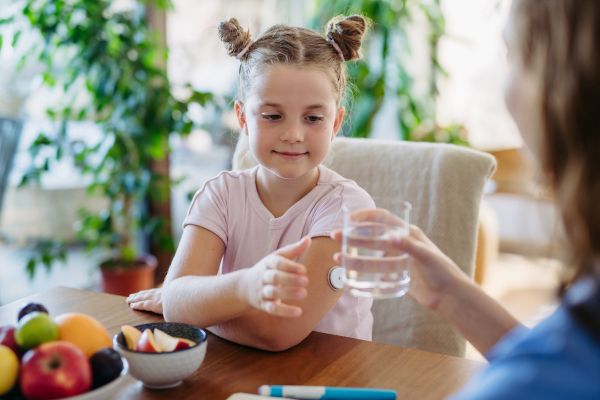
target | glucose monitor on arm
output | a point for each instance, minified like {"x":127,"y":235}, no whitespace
{"x":336,"y":278}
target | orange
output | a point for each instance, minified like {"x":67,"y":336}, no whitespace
{"x":83,"y":331}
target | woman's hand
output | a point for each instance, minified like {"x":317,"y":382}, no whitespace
{"x":277,"y":278}
{"x":437,"y":283}
{"x":147,"y":300}
{"x":433,"y":275}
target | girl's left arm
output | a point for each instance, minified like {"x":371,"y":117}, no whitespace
{"x":264,"y":331}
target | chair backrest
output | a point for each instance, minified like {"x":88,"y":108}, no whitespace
{"x":444,"y":183}
{"x":10,"y":130}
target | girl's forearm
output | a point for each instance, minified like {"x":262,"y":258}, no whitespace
{"x":477,"y":316}
{"x":205,"y":300}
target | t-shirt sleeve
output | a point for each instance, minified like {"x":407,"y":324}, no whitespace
{"x":329,"y":215}
{"x":555,"y":360}
{"x":208,"y":209}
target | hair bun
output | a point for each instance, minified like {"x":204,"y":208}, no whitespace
{"x":347,"y":33}
{"x":233,"y":36}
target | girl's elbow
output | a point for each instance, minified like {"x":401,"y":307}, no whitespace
{"x":279,"y":342}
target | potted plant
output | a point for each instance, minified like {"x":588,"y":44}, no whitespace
{"x":384,"y":73}
{"x":107,"y":63}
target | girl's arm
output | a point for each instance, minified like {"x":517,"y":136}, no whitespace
{"x":439,"y":284}
{"x":233,"y":305}
{"x":193,"y":294}
{"x":268,"y":332}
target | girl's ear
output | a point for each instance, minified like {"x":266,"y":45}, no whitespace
{"x":339,"y":117}
{"x":241,"y":116}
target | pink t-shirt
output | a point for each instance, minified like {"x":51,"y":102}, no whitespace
{"x":229,"y":206}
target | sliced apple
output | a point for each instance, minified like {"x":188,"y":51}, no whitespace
{"x":132,"y":336}
{"x":147,"y":343}
{"x":184,"y":343}
{"x":165,"y":341}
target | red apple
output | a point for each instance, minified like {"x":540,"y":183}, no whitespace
{"x":147,"y":343}
{"x":55,"y":370}
{"x":184,"y":344}
{"x":169,"y":343}
{"x":7,"y":338}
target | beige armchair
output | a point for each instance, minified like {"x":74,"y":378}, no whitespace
{"x":444,"y":183}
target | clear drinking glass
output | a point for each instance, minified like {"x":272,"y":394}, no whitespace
{"x":371,"y":269}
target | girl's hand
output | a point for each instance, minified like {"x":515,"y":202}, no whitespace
{"x":433,"y":275}
{"x":147,"y":300}
{"x":277,"y":278}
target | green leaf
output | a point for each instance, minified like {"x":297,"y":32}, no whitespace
{"x":15,"y":39}
{"x":21,"y":63}
{"x":30,"y":268}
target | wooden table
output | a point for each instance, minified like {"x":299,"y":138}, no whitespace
{"x":320,"y":360}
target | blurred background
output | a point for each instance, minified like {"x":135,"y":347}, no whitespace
{"x":113,"y":113}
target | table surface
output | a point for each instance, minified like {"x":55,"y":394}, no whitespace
{"x":320,"y":360}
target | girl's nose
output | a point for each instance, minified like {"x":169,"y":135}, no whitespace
{"x":292,"y":133}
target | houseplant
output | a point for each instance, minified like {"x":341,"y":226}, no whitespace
{"x":384,"y":73}
{"x":106,"y":62}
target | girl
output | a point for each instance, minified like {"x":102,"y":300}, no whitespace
{"x":553,"y":93}
{"x":291,"y":82}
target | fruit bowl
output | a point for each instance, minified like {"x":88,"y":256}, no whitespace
{"x":164,"y":370}
{"x":107,"y":391}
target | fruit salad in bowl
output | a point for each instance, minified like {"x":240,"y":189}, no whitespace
{"x":161,"y":354}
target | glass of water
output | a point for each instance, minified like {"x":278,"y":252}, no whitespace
{"x":372,"y":270}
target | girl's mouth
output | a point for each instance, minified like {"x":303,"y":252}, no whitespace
{"x":290,"y":155}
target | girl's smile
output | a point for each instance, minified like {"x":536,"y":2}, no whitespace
{"x":290,"y":155}
{"x":290,"y":116}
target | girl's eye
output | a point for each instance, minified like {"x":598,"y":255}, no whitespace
{"x":314,"y":118}
{"x":273,"y":117}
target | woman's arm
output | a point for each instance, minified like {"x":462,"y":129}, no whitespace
{"x":439,"y":284}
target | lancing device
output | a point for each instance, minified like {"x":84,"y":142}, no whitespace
{"x":326,"y":393}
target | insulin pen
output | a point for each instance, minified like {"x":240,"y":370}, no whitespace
{"x":328,"y":393}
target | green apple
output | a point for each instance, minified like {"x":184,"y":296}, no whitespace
{"x":9,"y":365}
{"x":34,"y":329}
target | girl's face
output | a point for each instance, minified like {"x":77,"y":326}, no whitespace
{"x":290,"y":117}
{"x":521,"y":93}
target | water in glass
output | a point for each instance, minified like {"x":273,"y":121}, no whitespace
{"x":372,"y":270}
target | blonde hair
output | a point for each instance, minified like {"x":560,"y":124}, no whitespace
{"x":301,"y":47}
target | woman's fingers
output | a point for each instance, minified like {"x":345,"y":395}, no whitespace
{"x":414,"y":247}
{"x":379,"y":215}
{"x":337,"y":235}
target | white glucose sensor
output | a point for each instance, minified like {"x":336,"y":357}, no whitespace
{"x":337,"y":280}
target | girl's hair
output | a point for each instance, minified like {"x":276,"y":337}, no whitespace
{"x":286,"y":45}
{"x":560,"y":43}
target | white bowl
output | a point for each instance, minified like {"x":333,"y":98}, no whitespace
{"x":165,"y":370}
{"x":107,"y":391}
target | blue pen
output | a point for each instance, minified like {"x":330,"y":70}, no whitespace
{"x":326,"y":393}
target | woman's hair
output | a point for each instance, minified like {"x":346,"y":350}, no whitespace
{"x":560,"y":43}
{"x":301,"y":47}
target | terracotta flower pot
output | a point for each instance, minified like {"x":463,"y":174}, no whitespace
{"x":124,"y":281}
